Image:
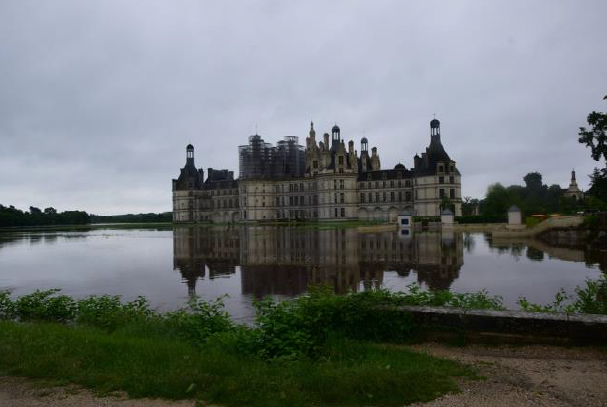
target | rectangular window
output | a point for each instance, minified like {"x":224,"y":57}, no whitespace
{"x":301,"y":187}
{"x":407,"y":196}
{"x":314,"y":164}
{"x":277,"y":201}
{"x":370,"y":197}
{"x":383,"y":184}
{"x":441,"y":193}
{"x":441,"y":180}
{"x":384,"y":196}
{"x":341,"y":184}
{"x":335,"y":212}
{"x":334,"y":184}
{"x":400,"y":195}
{"x":301,"y":200}
{"x":376,"y":184}
{"x":440,"y":168}
{"x":335,"y":198}
{"x":341,"y":198}
{"x":452,"y":193}
{"x":399,"y":183}
{"x":296,"y":200}
{"x":404,"y":221}
{"x":362,"y":197}
{"x":369,"y":184}
{"x":452,"y":180}
{"x":341,"y":160}
{"x":290,"y":201}
{"x":392,"y":184}
{"x":392,"y":196}
{"x":377,"y":197}
{"x":343,"y":212}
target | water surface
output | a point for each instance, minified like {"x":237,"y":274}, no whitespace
{"x":246,"y":262}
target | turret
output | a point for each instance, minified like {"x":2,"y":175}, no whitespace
{"x":335,"y":136}
{"x":434,"y":130}
{"x":364,"y":144}
{"x":189,"y":155}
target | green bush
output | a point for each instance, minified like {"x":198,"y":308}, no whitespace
{"x":591,"y":299}
{"x":45,"y":306}
{"x":531,"y":221}
{"x":592,"y":221}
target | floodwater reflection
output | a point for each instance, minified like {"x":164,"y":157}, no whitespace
{"x":285,"y":261}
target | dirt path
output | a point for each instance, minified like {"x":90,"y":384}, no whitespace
{"x":515,"y":376}
{"x":20,"y":392}
{"x":527,"y":376}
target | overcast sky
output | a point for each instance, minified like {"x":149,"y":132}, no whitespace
{"x":98,"y":99}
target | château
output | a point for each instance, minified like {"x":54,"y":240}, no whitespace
{"x":325,"y":180}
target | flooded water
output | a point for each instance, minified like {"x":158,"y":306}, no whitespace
{"x":169,"y":266}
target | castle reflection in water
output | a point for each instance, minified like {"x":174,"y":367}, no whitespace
{"x":286,"y":260}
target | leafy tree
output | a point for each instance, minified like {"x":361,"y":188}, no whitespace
{"x":50,"y":211}
{"x":496,"y":202}
{"x":533,"y":181}
{"x":596,"y":139}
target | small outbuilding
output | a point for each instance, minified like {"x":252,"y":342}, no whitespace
{"x":514,"y":215}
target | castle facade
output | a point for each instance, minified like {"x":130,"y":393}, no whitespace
{"x":322,"y":181}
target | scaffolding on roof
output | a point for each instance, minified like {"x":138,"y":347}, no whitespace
{"x":261,"y":160}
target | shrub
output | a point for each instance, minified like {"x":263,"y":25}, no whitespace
{"x":44,"y":306}
{"x":591,"y":299}
{"x":201,"y":320}
{"x":531,"y":221}
{"x":7,"y":307}
{"x":591,"y":221}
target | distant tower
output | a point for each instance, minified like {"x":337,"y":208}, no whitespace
{"x":573,"y":191}
{"x":189,"y":154}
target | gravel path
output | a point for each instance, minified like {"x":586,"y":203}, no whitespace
{"x":515,"y":376}
{"x":527,"y":376}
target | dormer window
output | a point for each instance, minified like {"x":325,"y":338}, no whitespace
{"x":369,"y":177}
{"x":341,"y":160}
{"x":440,"y":168}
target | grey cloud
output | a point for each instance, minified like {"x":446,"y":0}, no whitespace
{"x":99,"y":98}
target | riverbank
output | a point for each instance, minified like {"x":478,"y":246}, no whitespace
{"x":318,"y":349}
{"x":513,"y":376}
{"x":154,"y":365}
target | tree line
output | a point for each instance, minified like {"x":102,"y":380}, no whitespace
{"x":134,"y":218}
{"x":11,"y":216}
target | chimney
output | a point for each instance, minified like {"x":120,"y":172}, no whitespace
{"x":351,"y":147}
{"x":326,"y":138}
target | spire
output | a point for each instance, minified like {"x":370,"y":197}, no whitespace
{"x":312,"y":132}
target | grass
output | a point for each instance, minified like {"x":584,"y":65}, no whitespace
{"x":160,"y":365}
